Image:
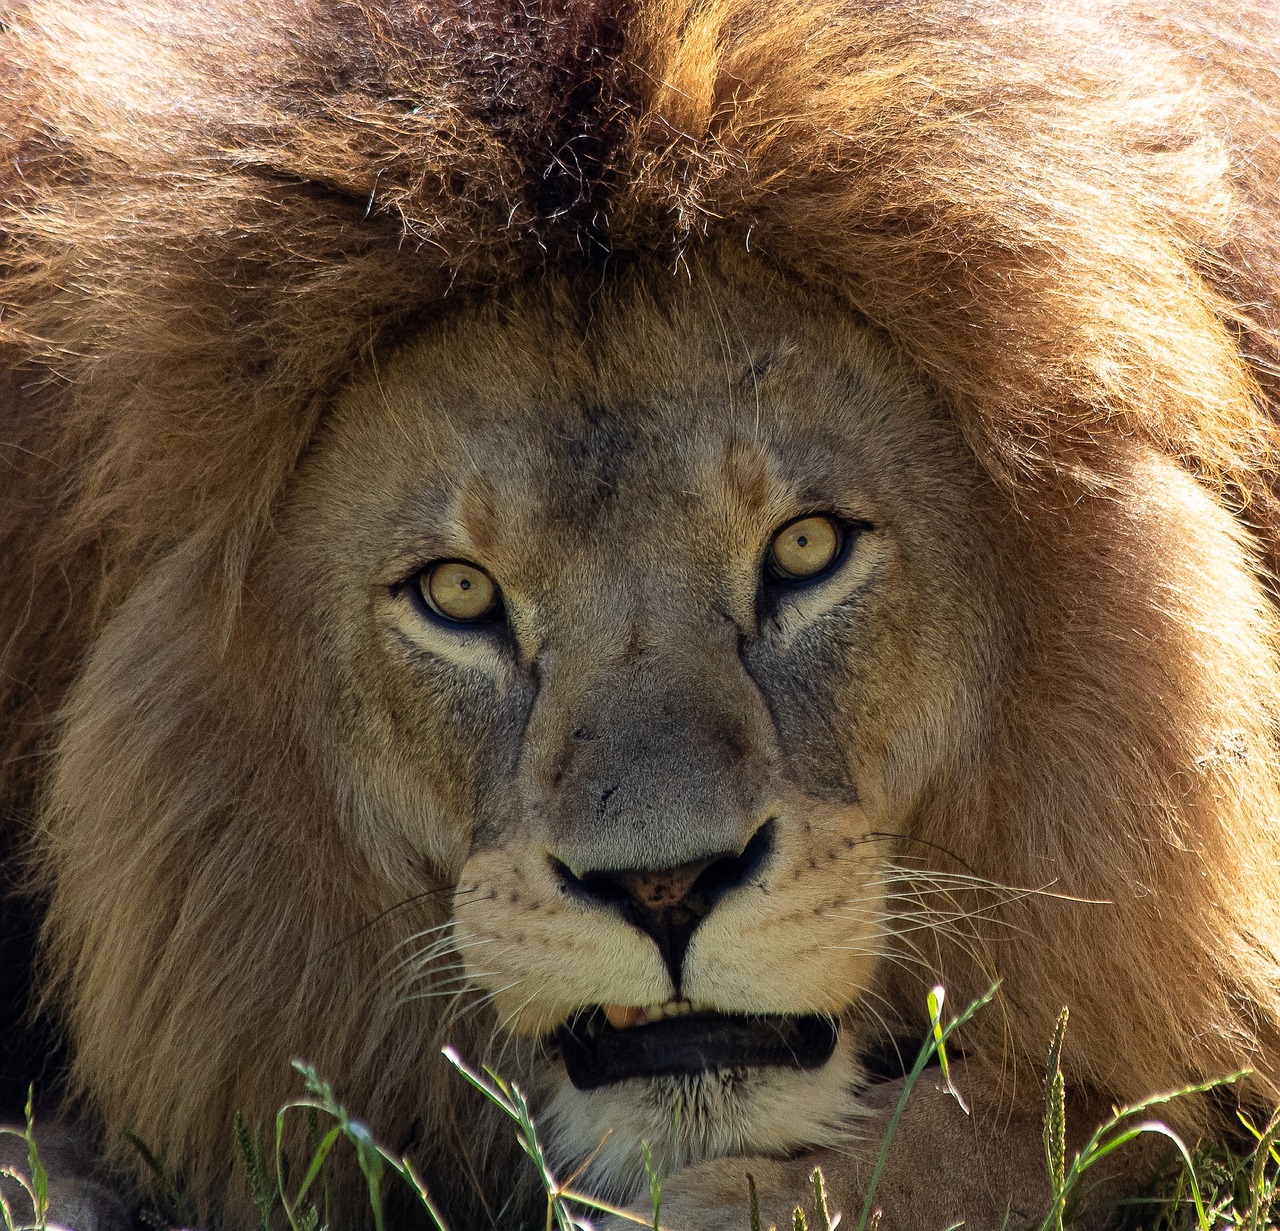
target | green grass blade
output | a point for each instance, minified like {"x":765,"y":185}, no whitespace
{"x":1160,"y":1130}
{"x":6,"y":1210}
{"x":179,"y":1207}
{"x":926,"y":1053}
{"x":936,"y":999}
{"x":317,"y":1161}
{"x":655,"y":1183}
{"x":415,"y":1182}
{"x":39,"y":1177}
{"x":491,"y":1092}
{"x":820,"y":1199}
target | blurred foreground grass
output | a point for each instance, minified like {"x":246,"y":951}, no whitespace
{"x":1215,"y":1188}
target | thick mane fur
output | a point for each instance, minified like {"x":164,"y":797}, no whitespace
{"x":213,"y":213}
{"x":1064,"y":222}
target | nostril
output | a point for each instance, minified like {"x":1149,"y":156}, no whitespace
{"x":700,"y":888}
{"x":735,"y":871}
{"x":669,"y":903}
{"x":601,"y":890}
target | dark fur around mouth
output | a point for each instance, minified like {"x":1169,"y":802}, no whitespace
{"x":595,"y":1054}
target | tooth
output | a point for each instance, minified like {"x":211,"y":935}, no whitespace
{"x":623,"y":1017}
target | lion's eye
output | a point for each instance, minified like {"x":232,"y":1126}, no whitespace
{"x":804,"y":548}
{"x":458,"y":591}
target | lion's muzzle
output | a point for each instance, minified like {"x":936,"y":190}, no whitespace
{"x":611,"y":1044}
{"x":668,"y":904}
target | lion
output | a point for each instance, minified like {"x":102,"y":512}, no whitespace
{"x":634,"y":540}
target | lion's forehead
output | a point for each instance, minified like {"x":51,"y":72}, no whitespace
{"x":535,"y":441}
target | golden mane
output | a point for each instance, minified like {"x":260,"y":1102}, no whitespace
{"x":213,"y":214}
{"x":1074,"y":249}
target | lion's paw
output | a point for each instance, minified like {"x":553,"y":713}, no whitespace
{"x":717,"y":1196}
{"x":77,"y":1200}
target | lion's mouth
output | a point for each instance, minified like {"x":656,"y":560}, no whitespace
{"x":598,"y":1053}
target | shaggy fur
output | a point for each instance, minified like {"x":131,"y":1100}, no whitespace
{"x":213,"y":214}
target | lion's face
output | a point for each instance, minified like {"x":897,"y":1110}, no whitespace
{"x":737,"y":562}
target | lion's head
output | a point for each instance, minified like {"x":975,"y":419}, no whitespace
{"x":586,"y":591}
{"x":633,"y":543}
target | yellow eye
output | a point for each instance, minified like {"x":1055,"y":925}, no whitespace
{"x":804,"y":548}
{"x":458,"y":591}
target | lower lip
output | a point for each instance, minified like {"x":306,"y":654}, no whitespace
{"x":595,"y":1054}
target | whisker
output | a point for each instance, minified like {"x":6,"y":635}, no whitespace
{"x":447,"y":947}
{"x":939,"y":880}
{"x":412,"y":900}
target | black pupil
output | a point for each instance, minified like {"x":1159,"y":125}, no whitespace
{"x":802,"y":540}
{"x":464,"y":584}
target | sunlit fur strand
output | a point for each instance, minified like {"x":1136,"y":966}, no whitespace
{"x":1183,"y":811}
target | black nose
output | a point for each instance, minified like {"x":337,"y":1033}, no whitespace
{"x":669,"y":903}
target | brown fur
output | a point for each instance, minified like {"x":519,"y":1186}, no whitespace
{"x":213,"y":216}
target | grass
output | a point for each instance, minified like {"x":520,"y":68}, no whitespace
{"x":1240,"y":1188}
{"x":1221,"y":1188}
{"x":32,"y":1183}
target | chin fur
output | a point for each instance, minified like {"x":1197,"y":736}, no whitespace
{"x":688,"y":1120}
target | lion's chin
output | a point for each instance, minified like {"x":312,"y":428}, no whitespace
{"x":691,"y":1117}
